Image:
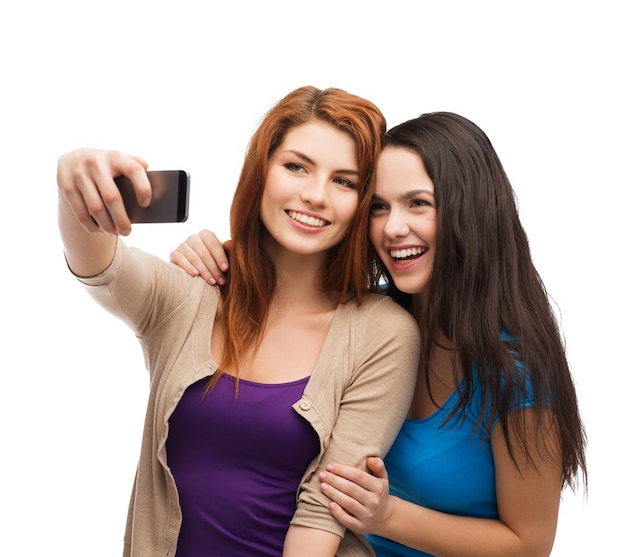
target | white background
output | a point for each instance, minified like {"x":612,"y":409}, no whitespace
{"x":183,"y":84}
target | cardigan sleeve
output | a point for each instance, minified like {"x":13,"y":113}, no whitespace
{"x":139,"y":288}
{"x":380,"y":344}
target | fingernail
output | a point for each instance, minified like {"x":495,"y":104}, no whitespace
{"x":324,"y":487}
{"x":222,"y":281}
{"x":322,"y":476}
{"x":212,"y":281}
{"x":224,"y":266}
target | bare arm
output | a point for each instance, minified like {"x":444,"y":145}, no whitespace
{"x":528,"y":503}
{"x":91,"y":211}
{"x":310,"y":542}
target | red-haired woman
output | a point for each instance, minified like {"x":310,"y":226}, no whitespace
{"x":257,"y":384}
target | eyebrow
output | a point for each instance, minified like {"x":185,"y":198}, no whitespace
{"x":407,"y":195}
{"x":313,"y":163}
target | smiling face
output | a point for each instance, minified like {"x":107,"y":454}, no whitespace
{"x":311,"y":191}
{"x":403,"y":219}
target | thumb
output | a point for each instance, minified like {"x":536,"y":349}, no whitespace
{"x":377,"y":467}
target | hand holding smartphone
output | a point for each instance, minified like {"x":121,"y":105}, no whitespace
{"x":170,"y":197}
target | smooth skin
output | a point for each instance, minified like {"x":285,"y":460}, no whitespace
{"x":309,"y":201}
{"x":403,"y":232}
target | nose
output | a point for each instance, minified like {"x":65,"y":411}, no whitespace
{"x":396,"y":225}
{"x":315,"y":192}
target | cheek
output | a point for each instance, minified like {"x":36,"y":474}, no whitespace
{"x":277,"y":183}
{"x":267,"y":205}
{"x":346,"y":207}
{"x":424,"y":226}
{"x":431,"y":230}
{"x":273,"y":191}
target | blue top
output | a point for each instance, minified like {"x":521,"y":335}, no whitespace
{"x":237,"y":462}
{"x":448,"y":467}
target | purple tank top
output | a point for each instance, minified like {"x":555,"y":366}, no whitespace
{"x":237,"y":462}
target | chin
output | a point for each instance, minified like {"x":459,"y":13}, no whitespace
{"x":408,"y":285}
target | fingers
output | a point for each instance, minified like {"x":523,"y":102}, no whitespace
{"x":140,"y":161}
{"x":217,"y":259}
{"x":86,"y":180}
{"x":79,"y":206}
{"x":354,"y":489}
{"x":340,"y":489}
{"x":345,"y":507}
{"x":102,"y":198}
{"x":360,"y":500}
{"x":133,"y":168}
{"x":348,"y":520}
{"x":346,"y":475}
{"x":202,"y":254}
{"x":182,"y":256}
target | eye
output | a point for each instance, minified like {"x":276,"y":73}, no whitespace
{"x":344,"y":182}
{"x":417,"y":203}
{"x":377,"y":207}
{"x":294,"y":167}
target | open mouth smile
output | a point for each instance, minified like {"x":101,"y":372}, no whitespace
{"x":405,"y":256}
{"x":307,"y":220}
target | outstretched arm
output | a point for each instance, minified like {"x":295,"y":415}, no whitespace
{"x":91,"y":211}
{"x":528,"y":503}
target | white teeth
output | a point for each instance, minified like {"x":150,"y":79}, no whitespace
{"x":305,"y":219}
{"x":408,"y":252}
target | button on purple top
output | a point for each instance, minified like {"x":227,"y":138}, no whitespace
{"x":237,"y":462}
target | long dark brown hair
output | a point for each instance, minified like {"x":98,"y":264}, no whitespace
{"x":485,"y":294}
{"x":252,"y":279}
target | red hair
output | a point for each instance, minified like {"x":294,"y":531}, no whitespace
{"x":252,"y":280}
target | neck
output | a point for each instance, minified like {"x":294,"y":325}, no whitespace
{"x":299,"y":281}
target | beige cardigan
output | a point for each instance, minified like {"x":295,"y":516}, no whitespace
{"x":356,"y":397}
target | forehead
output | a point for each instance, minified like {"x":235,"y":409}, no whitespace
{"x":322,"y":143}
{"x":399,"y":170}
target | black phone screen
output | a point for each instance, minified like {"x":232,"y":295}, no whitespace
{"x":170,"y":197}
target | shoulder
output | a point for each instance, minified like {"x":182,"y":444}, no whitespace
{"x":381,"y":313}
{"x":378,"y":325}
{"x":379,"y":304}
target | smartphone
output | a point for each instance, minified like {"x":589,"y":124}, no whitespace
{"x":170,"y":197}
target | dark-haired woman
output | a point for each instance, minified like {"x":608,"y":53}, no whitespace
{"x":494,"y":432}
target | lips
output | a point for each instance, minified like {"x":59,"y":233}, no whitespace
{"x":308,"y":220}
